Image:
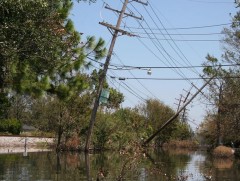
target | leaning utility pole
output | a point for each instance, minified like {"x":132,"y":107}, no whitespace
{"x":176,"y":115}
{"x":105,"y":68}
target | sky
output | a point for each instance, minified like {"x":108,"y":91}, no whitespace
{"x":172,"y":33}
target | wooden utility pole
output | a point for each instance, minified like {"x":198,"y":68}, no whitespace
{"x":184,"y":110}
{"x":176,"y":115}
{"x":105,"y":68}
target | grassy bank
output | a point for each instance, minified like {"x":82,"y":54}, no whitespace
{"x":182,"y":144}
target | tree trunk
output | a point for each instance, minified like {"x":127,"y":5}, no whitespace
{"x":219,"y":117}
{"x":60,"y":132}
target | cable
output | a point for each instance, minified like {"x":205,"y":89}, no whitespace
{"x":157,"y":47}
{"x":130,"y":89}
{"x":111,"y":80}
{"x":178,"y":67}
{"x":137,"y":80}
{"x":170,"y":57}
{"x":182,"y":37}
{"x":189,"y":78}
{"x":184,"y":57}
{"x":211,"y":2}
{"x":178,"y":40}
{"x":185,"y":28}
{"x":181,"y":34}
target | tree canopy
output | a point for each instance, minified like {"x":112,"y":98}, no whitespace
{"x":222,"y":124}
{"x":40,"y":50}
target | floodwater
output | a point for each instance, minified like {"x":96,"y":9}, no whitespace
{"x":171,"y":165}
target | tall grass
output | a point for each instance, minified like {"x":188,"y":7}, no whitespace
{"x":223,"y":152}
{"x":184,"y":144}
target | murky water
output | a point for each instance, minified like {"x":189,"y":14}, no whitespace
{"x":109,"y":166}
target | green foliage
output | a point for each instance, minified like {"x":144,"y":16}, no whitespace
{"x":207,"y":131}
{"x":131,"y":128}
{"x":4,"y":105}
{"x":124,"y":127}
{"x":115,"y":99}
{"x":223,"y":119}
{"x":118,"y":130}
{"x":40,"y":49}
{"x":156,"y":114}
{"x":183,"y":132}
{"x":63,"y":118}
{"x":103,"y":131}
{"x":10,"y":125}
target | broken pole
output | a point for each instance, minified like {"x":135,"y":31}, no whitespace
{"x":176,"y":115}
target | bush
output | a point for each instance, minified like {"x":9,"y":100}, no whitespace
{"x":223,"y":152}
{"x":73,"y":143}
{"x":10,"y":125}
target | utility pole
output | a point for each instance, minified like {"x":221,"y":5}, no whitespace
{"x":184,"y":110}
{"x":105,"y":68}
{"x":179,"y":103}
{"x":176,"y":115}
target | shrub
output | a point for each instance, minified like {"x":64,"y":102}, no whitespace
{"x":72,"y":143}
{"x":10,"y":125}
{"x":223,"y":152}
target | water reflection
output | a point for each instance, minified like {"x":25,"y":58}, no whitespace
{"x":149,"y":166}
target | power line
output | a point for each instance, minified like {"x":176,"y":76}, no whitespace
{"x":133,"y":89}
{"x":132,"y":73}
{"x":196,"y":40}
{"x":168,"y":79}
{"x":159,"y":46}
{"x":127,"y":67}
{"x":137,"y":80}
{"x":185,"y":28}
{"x":186,"y":42}
{"x":111,"y":80}
{"x":177,"y":67}
{"x":184,"y":57}
{"x":211,"y":2}
{"x":180,"y":34}
{"x":130,"y":90}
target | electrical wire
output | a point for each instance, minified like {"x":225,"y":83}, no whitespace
{"x":182,"y":37}
{"x":196,"y":40}
{"x":127,"y":88}
{"x":185,"y":59}
{"x":177,"y":34}
{"x":159,"y":47}
{"x":211,"y":2}
{"x":166,"y":52}
{"x":168,"y":79}
{"x":183,"y":28}
{"x":133,"y":92}
{"x":178,"y":67}
{"x":111,"y":80}
{"x":134,"y":76}
{"x":137,"y":80}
